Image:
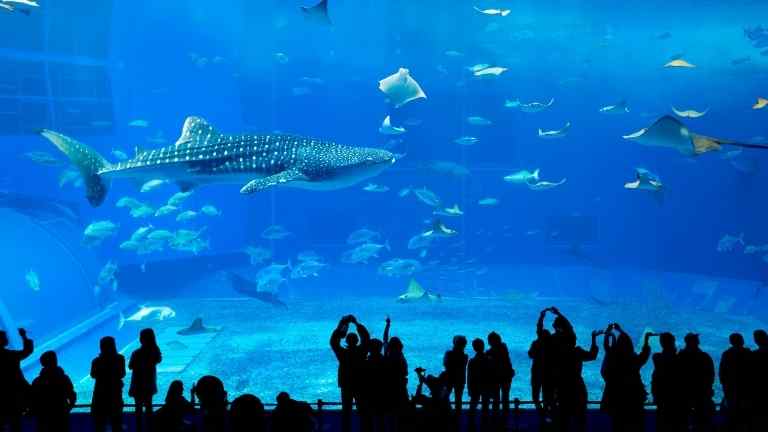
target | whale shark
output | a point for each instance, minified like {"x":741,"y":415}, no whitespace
{"x":202,"y":155}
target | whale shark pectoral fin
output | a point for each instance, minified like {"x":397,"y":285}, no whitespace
{"x":273,"y":180}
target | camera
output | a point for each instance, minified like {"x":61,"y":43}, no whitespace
{"x":419,"y":370}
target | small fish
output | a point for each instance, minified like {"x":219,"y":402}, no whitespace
{"x":161,"y":235}
{"x":679,"y":63}
{"x":399,"y":267}
{"x":404,"y":192}
{"x":492,"y":71}
{"x":166,"y":210}
{"x":427,"y":197}
{"x":493,"y":12}
{"x":466,"y":140}
{"x":139,"y":123}
{"x":511,"y":103}
{"x":307,"y":268}
{"x":488,"y":202}
{"x":143,"y":211}
{"x":760,"y":104}
{"x":552,"y":134}
{"x":141,"y":233}
{"x":186,"y":216}
{"x":97,"y":231}
{"x":308,"y":255}
{"x":258,"y":254}
{"x":478,"y":121}
{"x":522,"y":177}
{"x":33,"y":280}
{"x":544,"y":185}
{"x":478,"y":67}
{"x":363,"y":235}
{"x":275,"y":232}
{"x":159,"y":313}
{"x":728,"y":243}
{"x":373,"y":187}
{"x":449,"y":211}
{"x":210,"y":210}
{"x":689,"y":113}
{"x":386,"y":128}
{"x":619,"y":108}
{"x":178,"y":198}
{"x":152,"y":185}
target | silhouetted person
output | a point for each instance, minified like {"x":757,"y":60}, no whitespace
{"x":395,"y":391}
{"x":501,"y":372}
{"x":665,"y":387}
{"x":541,"y":371}
{"x":760,"y":380}
{"x":351,"y":364}
{"x":697,"y":378}
{"x":437,"y":405}
{"x":455,"y":364}
{"x":13,"y":386}
{"x":172,"y":415}
{"x":372,"y":407}
{"x":568,"y":362}
{"x":736,"y":379}
{"x":624,"y":394}
{"x":108,"y":371}
{"x":210,"y":392}
{"x":144,"y":363}
{"x":246,"y":414}
{"x":292,"y":416}
{"x":53,"y":396}
{"x":478,"y":379}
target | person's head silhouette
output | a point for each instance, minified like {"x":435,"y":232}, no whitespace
{"x":459,"y":342}
{"x":374,"y":346}
{"x":352,"y":340}
{"x":147,"y":338}
{"x":478,"y":345}
{"x":667,"y":341}
{"x":210,"y":392}
{"x":282,"y":399}
{"x":395,"y":345}
{"x":175,"y":391}
{"x":494,"y":340}
{"x":692,"y":341}
{"x":736,"y":340}
{"x":108,"y":346}
{"x":49,"y":360}
{"x":761,"y":338}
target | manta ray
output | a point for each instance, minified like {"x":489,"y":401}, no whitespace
{"x":416,"y":293}
{"x":671,"y":133}
{"x":202,"y":155}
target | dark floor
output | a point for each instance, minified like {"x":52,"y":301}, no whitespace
{"x":527,"y":420}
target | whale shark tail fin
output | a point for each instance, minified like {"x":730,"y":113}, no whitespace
{"x":87,"y":160}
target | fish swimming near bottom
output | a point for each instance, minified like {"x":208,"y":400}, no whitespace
{"x":202,"y":155}
{"x":416,"y":293}
{"x":160,"y":313}
{"x":251,"y":289}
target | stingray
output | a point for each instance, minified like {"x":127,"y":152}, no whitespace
{"x":648,"y":181}
{"x":671,"y":133}
{"x":690,"y":113}
{"x":196,"y":328}
{"x":417,"y":293}
{"x":534,"y":107}
{"x":679,"y":63}
{"x":760,"y":104}
{"x":386,"y":128}
{"x":318,"y":12}
{"x":401,"y":88}
{"x":555,"y":133}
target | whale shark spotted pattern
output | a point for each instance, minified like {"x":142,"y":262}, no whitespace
{"x":204,"y":156}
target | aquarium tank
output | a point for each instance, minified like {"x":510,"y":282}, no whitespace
{"x":263,"y":168}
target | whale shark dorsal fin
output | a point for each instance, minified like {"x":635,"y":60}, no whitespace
{"x":196,"y":132}
{"x":273,"y":180}
{"x":415,"y":289}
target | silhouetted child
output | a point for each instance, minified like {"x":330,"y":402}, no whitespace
{"x":144,"y":363}
{"x":736,"y":379}
{"x":292,"y":416}
{"x":351,"y":364}
{"x":665,"y":387}
{"x":501,"y":372}
{"x":108,"y":371}
{"x":210,"y":392}
{"x":171,"y":416}
{"x":478,"y":378}
{"x":53,"y":395}
{"x":395,"y":392}
{"x":697,"y":378}
{"x":437,"y":406}
{"x":246,"y":414}
{"x":759,"y":372}
{"x":372,"y":395}
{"x":541,"y":373}
{"x":455,"y":364}
{"x":14,"y":388}
{"x":624,"y":394}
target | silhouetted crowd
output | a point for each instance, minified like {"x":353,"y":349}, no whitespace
{"x":373,"y":377}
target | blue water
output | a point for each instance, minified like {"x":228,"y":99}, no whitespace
{"x":87,"y":69}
